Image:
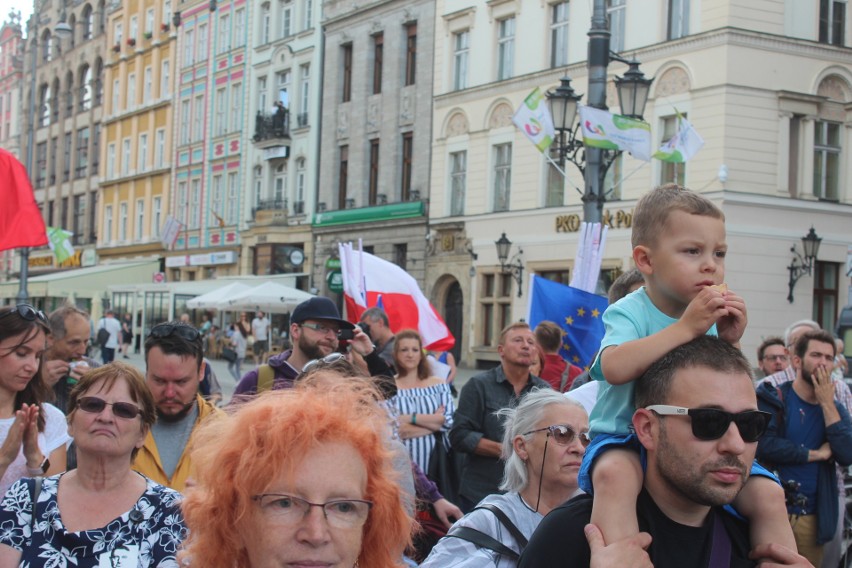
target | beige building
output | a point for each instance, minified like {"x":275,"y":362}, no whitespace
{"x":769,"y":90}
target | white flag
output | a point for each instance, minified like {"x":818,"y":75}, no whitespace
{"x":602,"y":129}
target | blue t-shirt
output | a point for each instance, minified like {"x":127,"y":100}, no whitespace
{"x":633,"y":317}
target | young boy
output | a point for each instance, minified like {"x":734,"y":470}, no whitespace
{"x":679,"y":246}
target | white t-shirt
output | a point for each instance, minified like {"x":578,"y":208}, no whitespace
{"x":55,"y":435}
{"x":259,"y":327}
{"x":113,"y":326}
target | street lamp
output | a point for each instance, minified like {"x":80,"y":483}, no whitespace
{"x":803,"y":264}
{"x":633,"y":89}
{"x":62,"y":31}
{"x":515,"y":267}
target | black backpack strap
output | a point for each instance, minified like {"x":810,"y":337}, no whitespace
{"x":483,"y":540}
{"x":510,"y":526}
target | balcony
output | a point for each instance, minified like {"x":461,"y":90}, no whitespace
{"x":270,"y":212}
{"x":272,"y":129}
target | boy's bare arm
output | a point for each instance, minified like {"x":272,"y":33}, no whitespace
{"x":626,"y":362}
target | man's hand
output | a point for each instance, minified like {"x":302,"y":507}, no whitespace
{"x":731,"y":327}
{"x":822,"y":453}
{"x":78,"y":370}
{"x":703,"y":311}
{"x":447,"y":512}
{"x":775,"y":556}
{"x":52,"y":371}
{"x":361,"y":342}
{"x":626,"y":553}
{"x":823,"y":386}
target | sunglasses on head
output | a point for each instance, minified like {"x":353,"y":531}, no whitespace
{"x":26,"y":312}
{"x":563,"y":435}
{"x":327,"y":360}
{"x":183,"y":331}
{"x":96,"y":405}
{"x":712,"y":423}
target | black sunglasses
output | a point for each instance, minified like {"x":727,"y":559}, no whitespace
{"x":563,"y":435}
{"x":27,"y":312}
{"x":181,"y":330}
{"x":96,"y":405}
{"x":712,"y":423}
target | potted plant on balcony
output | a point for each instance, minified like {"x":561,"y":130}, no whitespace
{"x":164,"y":27}
{"x":116,"y":48}
{"x":131,"y":41}
{"x":148,"y":35}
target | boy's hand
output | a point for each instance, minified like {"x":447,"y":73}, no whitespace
{"x":731,"y":326}
{"x":705,"y":309}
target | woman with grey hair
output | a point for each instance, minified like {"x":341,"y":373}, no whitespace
{"x":544,"y":440}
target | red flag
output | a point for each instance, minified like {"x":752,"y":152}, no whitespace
{"x":21,"y":224}
{"x":369,"y":281}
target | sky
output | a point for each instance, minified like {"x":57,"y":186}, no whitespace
{"x":25,"y":6}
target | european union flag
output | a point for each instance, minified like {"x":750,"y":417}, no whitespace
{"x":579,"y":314}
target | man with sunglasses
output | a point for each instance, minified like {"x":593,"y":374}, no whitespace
{"x":698,"y":424}
{"x":174,"y":356}
{"x":809,"y":432}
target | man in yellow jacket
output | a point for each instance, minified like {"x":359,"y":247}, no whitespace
{"x":174,"y":356}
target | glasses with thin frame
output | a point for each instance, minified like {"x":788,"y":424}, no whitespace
{"x":26,"y":312}
{"x":563,"y":434}
{"x":289,"y":510}
{"x":775,"y":357}
{"x":327,"y":360}
{"x":320,"y":328}
{"x":183,"y":331}
{"x":96,"y":405}
{"x":712,"y":423}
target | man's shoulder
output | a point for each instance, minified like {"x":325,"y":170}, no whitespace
{"x":560,"y":537}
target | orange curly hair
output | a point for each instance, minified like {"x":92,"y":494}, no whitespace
{"x":239,"y":454}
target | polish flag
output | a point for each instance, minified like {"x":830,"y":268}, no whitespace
{"x":21,"y":224}
{"x":369,"y":281}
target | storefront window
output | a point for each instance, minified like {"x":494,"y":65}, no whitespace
{"x":278,"y":259}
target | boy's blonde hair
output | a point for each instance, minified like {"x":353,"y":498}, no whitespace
{"x":652,"y":211}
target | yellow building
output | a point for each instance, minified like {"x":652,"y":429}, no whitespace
{"x":137,"y":145}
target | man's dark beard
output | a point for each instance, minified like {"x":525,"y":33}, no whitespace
{"x":176,"y":417}
{"x":310,"y":351}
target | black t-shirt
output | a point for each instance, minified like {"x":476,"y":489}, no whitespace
{"x":559,"y":541}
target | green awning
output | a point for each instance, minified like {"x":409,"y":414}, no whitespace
{"x":404,"y":210}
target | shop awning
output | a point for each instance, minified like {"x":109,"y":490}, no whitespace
{"x":89,"y":282}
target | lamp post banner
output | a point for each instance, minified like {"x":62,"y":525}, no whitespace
{"x":534,"y":120}
{"x":602,"y":129}
{"x":683,"y":145}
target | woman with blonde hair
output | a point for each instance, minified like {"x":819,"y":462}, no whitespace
{"x":301,"y":476}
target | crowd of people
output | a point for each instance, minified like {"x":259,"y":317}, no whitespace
{"x":352,"y":448}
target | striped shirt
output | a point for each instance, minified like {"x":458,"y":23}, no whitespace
{"x":425,"y":400}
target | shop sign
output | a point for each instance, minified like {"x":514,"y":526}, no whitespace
{"x":621,"y":219}
{"x":335,"y":281}
{"x":207,"y":259}
{"x":333,"y":263}
{"x":49,"y":261}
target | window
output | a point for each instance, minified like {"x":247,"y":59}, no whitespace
{"x":615,"y":11}
{"x":309,"y":14}
{"x":373,"y":187}
{"x":826,"y":284}
{"x":261,"y":94}
{"x":79,"y":219}
{"x":85,"y":88}
{"x":125,"y":157}
{"x":555,"y":187}
{"x":156,"y":216}
{"x":167,"y":12}
{"x":131,"y":91}
{"x":343,"y":176}
{"x":140,"y":219}
{"x":93,"y":212}
{"x":678,"y":18}
{"x":82,"y":163}
{"x":400,"y":254}
{"x":108,"y":224}
{"x":233,"y":193}
{"x":99,"y":82}
{"x":110,"y":162}
{"x":236,"y":106}
{"x":147,"y":85}
{"x":458,"y":182}
{"x":51,"y":165}
{"x":832,"y":22}
{"x":827,"y":149}
{"x":181,"y":205}
{"x":407,"y":161}
{"x":198,"y":118}
{"x":41,"y":164}
{"x":88,"y":23}
{"x":671,"y":172}
{"x":96,"y":148}
{"x":122,"y":222}
{"x":149,"y":21}
{"x":159,"y":148}
{"x":221,"y":123}
{"x":116,"y":93}
{"x":66,"y":157}
{"x":133,"y":29}
{"x":461,"y":51}
{"x":142,"y":156}
{"x":286,"y":18}
{"x":502,"y":176}
{"x":505,"y":48}
{"x":216,"y":200}
{"x":346,"y":55}
{"x":304,"y":94}
{"x":410,"y":53}
{"x":184,"y":122}
{"x":240,"y":27}
{"x":224,"y":33}
{"x":299,"y":205}
{"x":282,"y":79}
{"x":203,"y":42}
{"x":280,"y":185}
{"x":559,"y":34}
{"x":264,"y":24}
{"x":188,"y":48}
{"x":164,"y":80}
{"x":378,"y":57}
{"x":495,"y":306}
{"x":195,"y":205}
{"x":118,"y":32}
{"x":258,"y":185}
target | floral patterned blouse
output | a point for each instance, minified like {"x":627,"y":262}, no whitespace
{"x":148,"y":535}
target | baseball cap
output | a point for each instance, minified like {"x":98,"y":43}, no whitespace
{"x":318,"y":308}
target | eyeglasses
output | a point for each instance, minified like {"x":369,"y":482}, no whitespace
{"x":712,"y":423}
{"x":96,"y":405}
{"x":775,"y":357}
{"x":327,"y":360}
{"x":320,"y":328}
{"x":181,"y":330}
{"x":563,"y":435}
{"x":289,"y":510}
{"x":27,"y":312}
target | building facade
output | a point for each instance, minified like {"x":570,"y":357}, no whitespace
{"x":768,"y":88}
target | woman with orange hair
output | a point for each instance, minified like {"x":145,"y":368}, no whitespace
{"x":297,"y":477}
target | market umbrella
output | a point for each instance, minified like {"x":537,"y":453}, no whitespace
{"x":269,"y":297}
{"x":218,"y":298}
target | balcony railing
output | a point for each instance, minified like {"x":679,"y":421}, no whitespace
{"x":269,"y":126}
{"x":298,"y":208}
{"x":302,"y":119}
{"x":270,"y":205}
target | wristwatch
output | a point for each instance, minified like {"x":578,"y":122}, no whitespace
{"x":41,"y":469}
